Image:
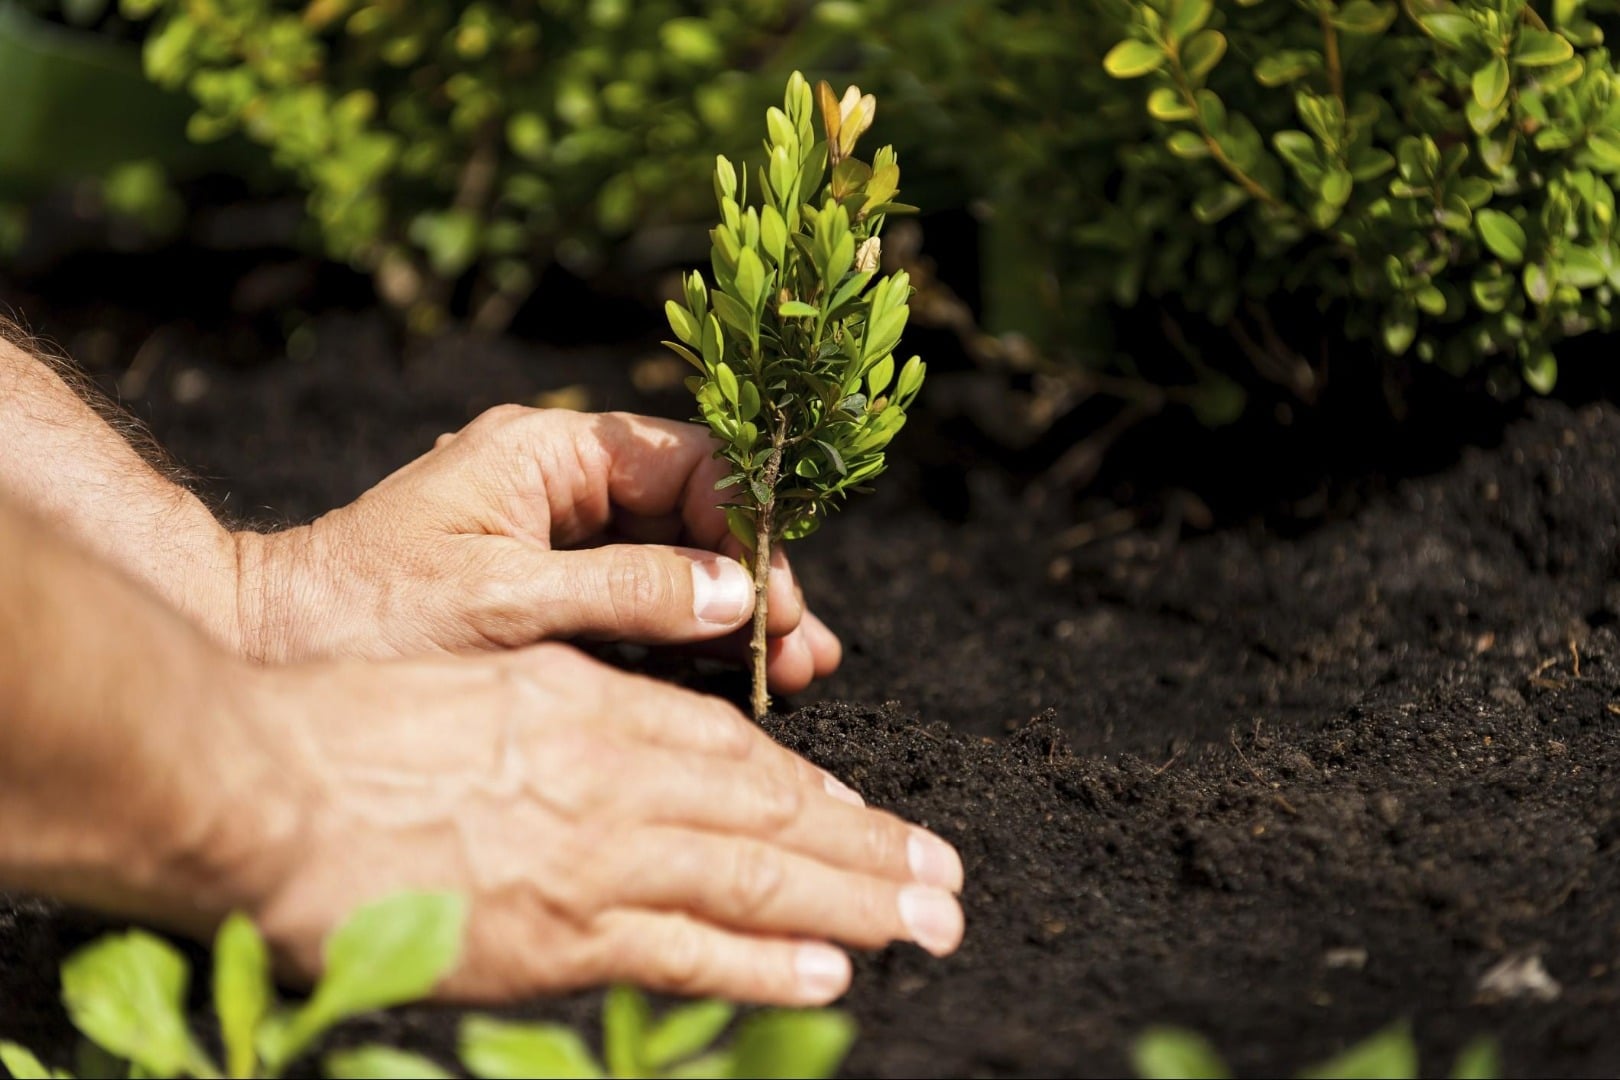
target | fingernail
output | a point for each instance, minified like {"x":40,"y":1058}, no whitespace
{"x":722,"y":591}
{"x":823,"y":972}
{"x":844,"y":793}
{"x":933,"y":861}
{"x":932,"y":918}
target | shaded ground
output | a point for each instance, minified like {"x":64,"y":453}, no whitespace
{"x":1282,"y":785}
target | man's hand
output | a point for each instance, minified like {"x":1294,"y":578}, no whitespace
{"x":527,"y":525}
{"x":604,"y":827}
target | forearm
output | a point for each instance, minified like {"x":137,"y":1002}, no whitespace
{"x":131,"y":776}
{"x":67,"y":466}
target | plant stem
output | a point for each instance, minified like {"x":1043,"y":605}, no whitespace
{"x":764,"y":524}
{"x":1330,"y":54}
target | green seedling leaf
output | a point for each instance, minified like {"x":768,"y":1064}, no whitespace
{"x":1504,"y":236}
{"x":625,"y":1017}
{"x":684,"y":1032}
{"x":1166,"y":104}
{"x":243,"y":993}
{"x":795,"y":309}
{"x":387,"y":953}
{"x":127,"y":992}
{"x":22,"y":1064}
{"x":750,"y":279}
{"x":1541,"y":372}
{"x":1163,"y":1053}
{"x":502,"y":1050}
{"x":1452,"y":30}
{"x":383,"y":1063}
{"x":1390,"y":1054}
{"x":792,"y":1044}
{"x":1133,"y":59}
{"x":1479,"y":1060}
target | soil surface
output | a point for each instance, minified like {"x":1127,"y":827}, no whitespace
{"x":1282,"y":784}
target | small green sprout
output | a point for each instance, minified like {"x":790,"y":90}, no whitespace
{"x":126,"y":993}
{"x":1169,"y":1053}
{"x":794,"y":343}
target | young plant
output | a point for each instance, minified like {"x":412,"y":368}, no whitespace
{"x":794,"y":342}
{"x":126,"y":993}
{"x":1163,"y":1053}
{"x":773,"y":1043}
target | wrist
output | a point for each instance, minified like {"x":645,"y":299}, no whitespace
{"x":279,"y":594}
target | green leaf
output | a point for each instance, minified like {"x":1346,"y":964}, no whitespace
{"x":1131,"y":59}
{"x":1282,"y":68}
{"x":625,"y":1012}
{"x":685,"y":1031}
{"x":1213,"y":204}
{"x":1541,"y":48}
{"x":1492,"y":293}
{"x":682,"y":322}
{"x":750,"y":280}
{"x":382,"y":1063}
{"x":1504,"y":236}
{"x":1188,"y":145}
{"x":1583,"y":268}
{"x":778,"y":1043}
{"x":1389,"y":1054}
{"x":727,"y":381}
{"x":1479,"y":1060}
{"x":1163,"y":1053}
{"x":1363,"y":17}
{"x":911,"y":379}
{"x":243,"y":992}
{"x":1452,"y":30}
{"x":21,"y":1062}
{"x":882,"y":373}
{"x":1202,"y":53}
{"x":1431,"y":300}
{"x":1541,"y":372}
{"x":127,"y":992}
{"x":1166,"y":104}
{"x":740,"y":520}
{"x":773,"y":234}
{"x":1336,"y":187}
{"x":733,"y":314}
{"x":1400,"y":329}
{"x":1604,"y":149}
{"x":1538,"y":284}
{"x":501,"y":1050}
{"x":797,"y":309}
{"x":387,"y":953}
{"x":1490,"y":83}
{"x":1186,"y":17}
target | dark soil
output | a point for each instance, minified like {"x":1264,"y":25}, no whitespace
{"x":1282,"y":785}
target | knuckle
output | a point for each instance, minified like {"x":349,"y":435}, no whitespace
{"x":755,"y":881}
{"x":681,"y":959}
{"x":780,"y":802}
{"x":497,"y":416}
{"x":639,"y":587}
{"x":884,"y":845}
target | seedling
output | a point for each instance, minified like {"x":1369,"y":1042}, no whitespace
{"x":794,"y":342}
{"x":1163,"y":1053}
{"x":126,"y":993}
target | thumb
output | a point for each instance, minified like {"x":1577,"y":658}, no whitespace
{"x":642,"y":592}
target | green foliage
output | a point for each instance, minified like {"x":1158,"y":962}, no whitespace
{"x":772,"y":1043}
{"x":794,"y":343}
{"x":434,"y":138}
{"x":1439,"y":174}
{"x":1166,"y":1053}
{"x":126,"y":992}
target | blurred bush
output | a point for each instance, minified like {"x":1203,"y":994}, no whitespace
{"x":1434,"y":177}
{"x":1243,"y":180}
{"x":435,"y":139}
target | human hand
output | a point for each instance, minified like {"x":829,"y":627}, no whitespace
{"x":603,"y":826}
{"x":502,"y":535}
